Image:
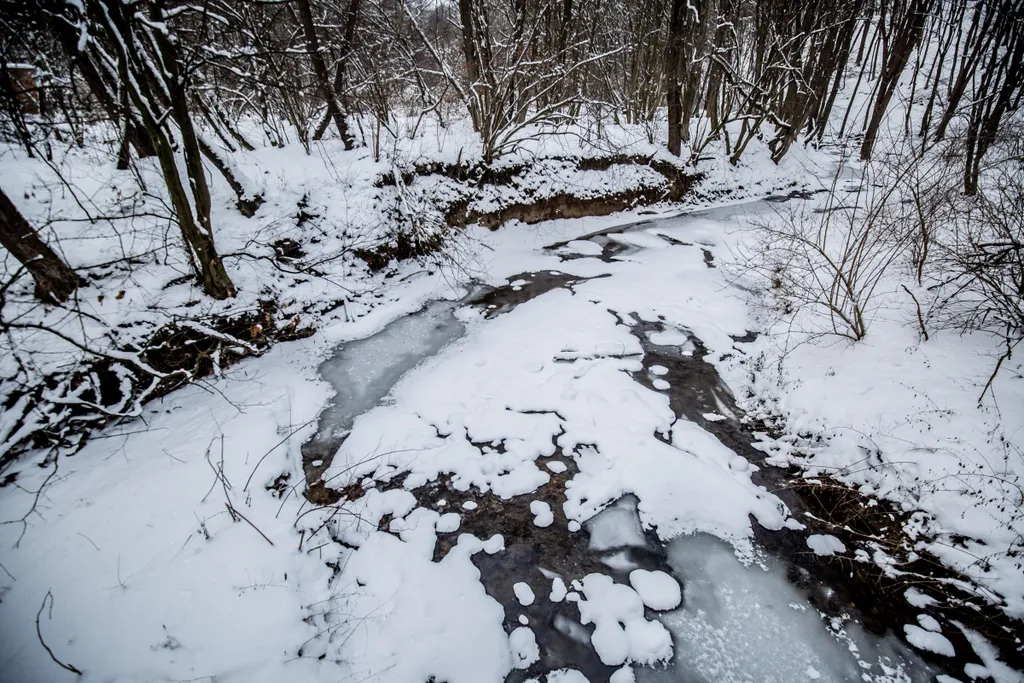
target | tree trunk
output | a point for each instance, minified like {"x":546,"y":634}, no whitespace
{"x":472,"y":56}
{"x":55,"y":281}
{"x":340,"y":71}
{"x":248,"y":202}
{"x":906,"y":40}
{"x":674,"y":91}
{"x":320,"y":71}
{"x":103,"y":91}
{"x":139,"y":74}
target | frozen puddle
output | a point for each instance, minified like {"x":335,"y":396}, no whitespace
{"x":362,"y":373}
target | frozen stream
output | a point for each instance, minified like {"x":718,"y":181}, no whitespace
{"x":744,"y":623}
{"x":736,"y":623}
{"x":362,"y":372}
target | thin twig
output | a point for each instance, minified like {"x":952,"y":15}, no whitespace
{"x":39,"y":632}
{"x":234,"y":512}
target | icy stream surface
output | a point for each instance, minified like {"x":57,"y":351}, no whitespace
{"x":362,"y":373}
{"x":580,"y":595}
{"x":741,"y":623}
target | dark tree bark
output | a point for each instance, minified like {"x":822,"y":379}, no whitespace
{"x":316,"y":58}
{"x":908,"y":35}
{"x":246,"y":203}
{"x":471,"y":53}
{"x":673,"y":86}
{"x":102,"y":85}
{"x":151,"y":89}
{"x":341,"y":69}
{"x":55,"y":281}
{"x":982,"y":39}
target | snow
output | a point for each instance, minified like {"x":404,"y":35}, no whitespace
{"x":825,"y":544}
{"x":181,"y":590}
{"x":523,"y":645}
{"x":448,"y":523}
{"x":621,"y":633}
{"x":387,"y":581}
{"x":669,"y":338}
{"x":567,"y":676}
{"x":929,"y":623}
{"x":928,"y":640}
{"x":918,"y":599}
{"x":128,"y":540}
{"x":542,"y":515}
{"x":991,"y":666}
{"x":898,"y":418}
{"x":524,"y":594}
{"x":658,"y":590}
{"x":495,"y":544}
{"x":623,"y":675}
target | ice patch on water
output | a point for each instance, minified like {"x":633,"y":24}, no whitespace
{"x":617,"y":526}
{"x":362,"y":372}
{"x":736,"y":620}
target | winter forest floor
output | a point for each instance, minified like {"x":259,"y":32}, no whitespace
{"x":586,"y":449}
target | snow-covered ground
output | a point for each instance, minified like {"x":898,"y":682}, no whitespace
{"x":178,"y":546}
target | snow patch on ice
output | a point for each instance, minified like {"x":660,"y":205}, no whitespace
{"x":919,"y":599}
{"x":523,"y":645}
{"x":929,"y":623}
{"x":557,"y":590}
{"x":658,"y":590}
{"x":621,"y":633}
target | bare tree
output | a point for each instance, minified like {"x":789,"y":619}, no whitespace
{"x":55,"y":281}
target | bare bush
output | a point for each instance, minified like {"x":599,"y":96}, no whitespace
{"x":981,"y":260}
{"x":833,"y":259}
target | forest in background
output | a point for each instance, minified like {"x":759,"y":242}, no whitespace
{"x":176,"y":94}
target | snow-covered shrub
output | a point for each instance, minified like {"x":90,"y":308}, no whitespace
{"x":830,"y":260}
{"x":980,"y":261}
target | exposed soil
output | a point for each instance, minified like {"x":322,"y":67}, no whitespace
{"x":678,"y":184}
{"x":570,"y":206}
